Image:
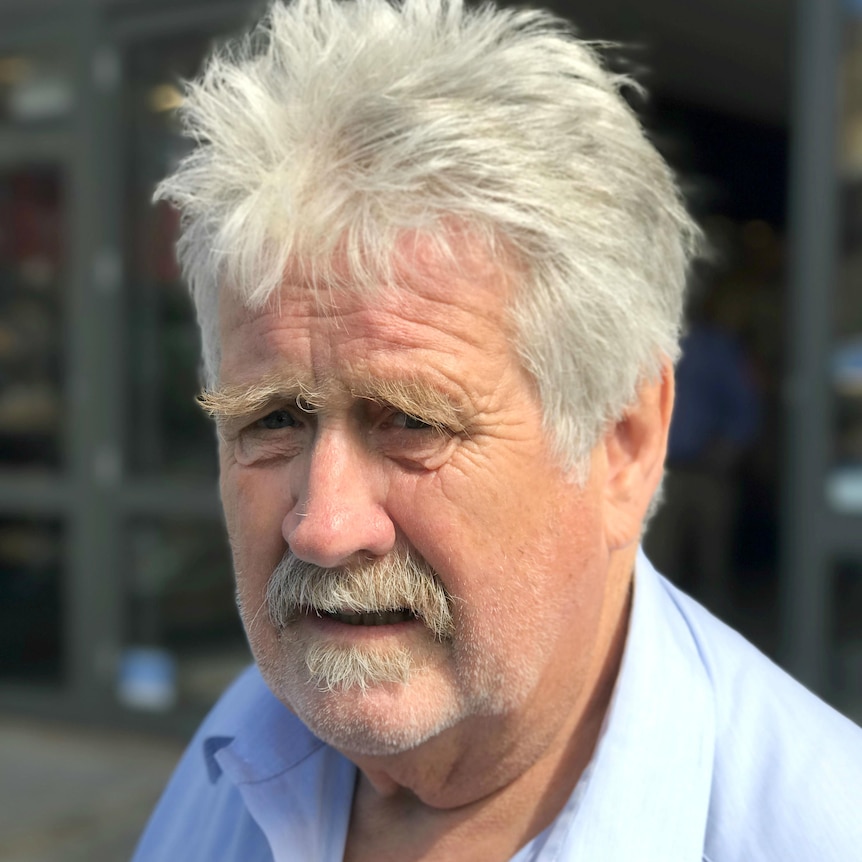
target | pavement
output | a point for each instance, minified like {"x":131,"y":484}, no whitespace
{"x":77,"y":794}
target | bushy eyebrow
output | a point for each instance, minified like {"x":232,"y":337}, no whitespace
{"x":413,"y":397}
{"x":240,"y":401}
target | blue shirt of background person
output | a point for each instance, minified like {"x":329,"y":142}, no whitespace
{"x":717,"y":413}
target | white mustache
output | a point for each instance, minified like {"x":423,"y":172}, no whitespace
{"x":395,"y":582}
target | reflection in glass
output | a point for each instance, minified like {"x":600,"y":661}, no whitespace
{"x":34,"y":88}
{"x":183,"y":624}
{"x":168,"y":432}
{"x":30,"y":601}
{"x":31,"y":252}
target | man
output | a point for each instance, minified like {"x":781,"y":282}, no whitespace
{"x":439,"y":273}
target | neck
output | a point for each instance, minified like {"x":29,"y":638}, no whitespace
{"x":500,"y":780}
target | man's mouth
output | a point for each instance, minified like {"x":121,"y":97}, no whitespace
{"x":373,"y":618}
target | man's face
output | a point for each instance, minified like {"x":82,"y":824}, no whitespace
{"x":417,"y":432}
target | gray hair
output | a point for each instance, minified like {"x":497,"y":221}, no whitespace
{"x":337,"y":127}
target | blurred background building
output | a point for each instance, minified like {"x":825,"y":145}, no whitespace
{"x":116,"y":595}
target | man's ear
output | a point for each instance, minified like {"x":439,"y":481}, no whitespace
{"x":635,"y":449}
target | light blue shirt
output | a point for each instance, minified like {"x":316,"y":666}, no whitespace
{"x":709,"y":753}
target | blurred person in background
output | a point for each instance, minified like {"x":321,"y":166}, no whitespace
{"x":715,"y":420}
{"x":439,"y":273}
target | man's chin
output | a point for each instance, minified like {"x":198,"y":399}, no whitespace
{"x":362,"y":733}
{"x":375,"y":720}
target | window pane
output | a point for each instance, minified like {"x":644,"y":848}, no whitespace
{"x":846,"y":635}
{"x":34,"y":88}
{"x":184,"y":639}
{"x":844,"y":487}
{"x":168,"y":432}
{"x":31,"y":258}
{"x":31,"y":599}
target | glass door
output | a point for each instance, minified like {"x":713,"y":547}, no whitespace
{"x":35,"y":103}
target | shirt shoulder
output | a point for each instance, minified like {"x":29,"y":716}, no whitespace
{"x":787,"y":773}
{"x":201,"y":817}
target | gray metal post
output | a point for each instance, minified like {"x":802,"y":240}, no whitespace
{"x":95,"y":368}
{"x":805,"y":567}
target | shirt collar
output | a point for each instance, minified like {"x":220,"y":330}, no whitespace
{"x":646,"y":792}
{"x":256,"y":738}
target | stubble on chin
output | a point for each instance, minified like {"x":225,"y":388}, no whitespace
{"x":380,"y":719}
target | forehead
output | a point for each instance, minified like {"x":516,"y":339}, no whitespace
{"x":432,"y":303}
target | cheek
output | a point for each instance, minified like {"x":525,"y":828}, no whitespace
{"x":487,"y":514}
{"x":467,"y":531}
{"x":438,"y":520}
{"x":254,"y":512}
{"x":527,"y":556}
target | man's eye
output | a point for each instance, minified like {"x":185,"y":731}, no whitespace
{"x":277,"y":419}
{"x":410,"y":423}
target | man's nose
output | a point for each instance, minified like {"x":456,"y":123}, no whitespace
{"x":339,"y":512}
